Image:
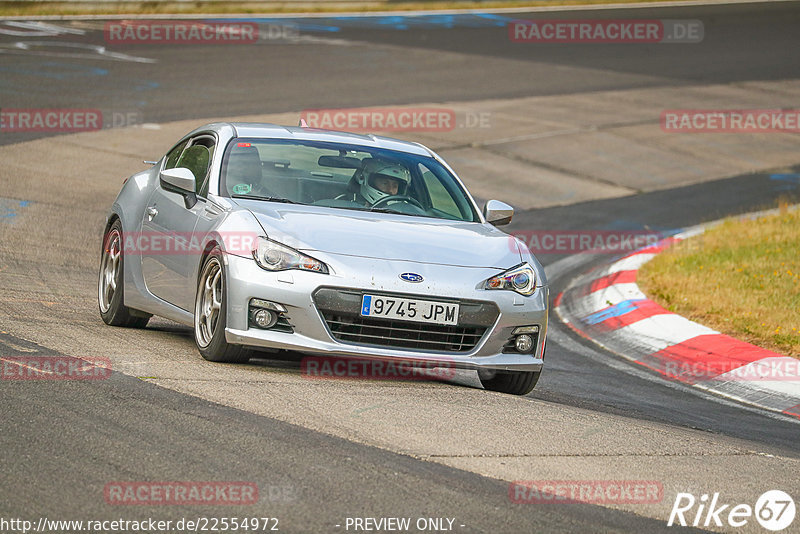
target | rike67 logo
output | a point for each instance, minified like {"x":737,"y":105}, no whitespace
{"x":774,"y":510}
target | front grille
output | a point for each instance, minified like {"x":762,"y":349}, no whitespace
{"x":386,"y":333}
{"x":340,"y":310}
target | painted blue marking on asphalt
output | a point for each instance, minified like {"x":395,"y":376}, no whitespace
{"x":305,"y":26}
{"x":146,"y":85}
{"x":365,"y":305}
{"x":788,"y":181}
{"x":300,"y":24}
{"x":9,"y":207}
{"x":405,"y":22}
{"x":396,"y":22}
{"x":617,"y":310}
{"x":499,"y":20}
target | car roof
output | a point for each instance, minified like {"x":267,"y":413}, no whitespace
{"x":275,"y":131}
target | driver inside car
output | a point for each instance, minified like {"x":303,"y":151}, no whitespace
{"x":382,"y":179}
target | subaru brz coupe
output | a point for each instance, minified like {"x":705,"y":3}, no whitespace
{"x":326,"y":243}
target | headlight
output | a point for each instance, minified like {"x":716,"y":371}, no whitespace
{"x":274,"y":256}
{"x":521,"y":279}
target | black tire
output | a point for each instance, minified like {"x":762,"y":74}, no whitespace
{"x":110,"y":283}
{"x":210,"y":338}
{"x":511,"y":382}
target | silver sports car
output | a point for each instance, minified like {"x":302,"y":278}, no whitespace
{"x":326,"y":243}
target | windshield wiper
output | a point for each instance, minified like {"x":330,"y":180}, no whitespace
{"x":269,"y":199}
{"x":389,"y":210}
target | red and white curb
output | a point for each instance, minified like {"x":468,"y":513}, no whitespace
{"x":607,"y":307}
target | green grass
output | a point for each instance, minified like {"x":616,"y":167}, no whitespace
{"x":741,"y":278}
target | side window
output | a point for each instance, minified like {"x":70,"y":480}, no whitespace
{"x":440,"y":199}
{"x":210,"y":143}
{"x":197,"y":158}
{"x":174,"y":154}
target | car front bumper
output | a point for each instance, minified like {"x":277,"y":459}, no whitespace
{"x":296,"y":290}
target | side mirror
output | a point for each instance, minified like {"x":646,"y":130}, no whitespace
{"x":179,"y":178}
{"x":498,"y":213}
{"x":182,"y":181}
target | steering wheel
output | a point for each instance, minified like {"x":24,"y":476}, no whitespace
{"x":398,"y":198}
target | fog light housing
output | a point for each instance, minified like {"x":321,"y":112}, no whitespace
{"x":533,"y":329}
{"x":523,"y":340}
{"x":523,"y":343}
{"x":265,"y":314}
{"x":265,"y":318}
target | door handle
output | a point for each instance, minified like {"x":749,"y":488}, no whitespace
{"x":151,"y":213}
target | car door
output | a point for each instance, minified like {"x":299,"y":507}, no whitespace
{"x":171,"y":247}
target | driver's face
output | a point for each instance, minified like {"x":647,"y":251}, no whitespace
{"x":387,"y":185}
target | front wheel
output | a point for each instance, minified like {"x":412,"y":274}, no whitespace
{"x":210,"y":314}
{"x":110,"y":284}
{"x":511,"y":382}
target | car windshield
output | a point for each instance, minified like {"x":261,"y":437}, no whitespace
{"x":343,"y":176}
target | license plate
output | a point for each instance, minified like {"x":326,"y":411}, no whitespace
{"x":399,"y":309}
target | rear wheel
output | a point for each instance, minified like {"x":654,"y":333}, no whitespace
{"x":110,"y":283}
{"x":512,"y":382}
{"x":210,"y":314}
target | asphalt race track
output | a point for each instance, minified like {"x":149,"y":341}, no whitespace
{"x":324,"y":451}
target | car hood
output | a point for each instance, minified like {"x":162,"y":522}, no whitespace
{"x":386,"y":236}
